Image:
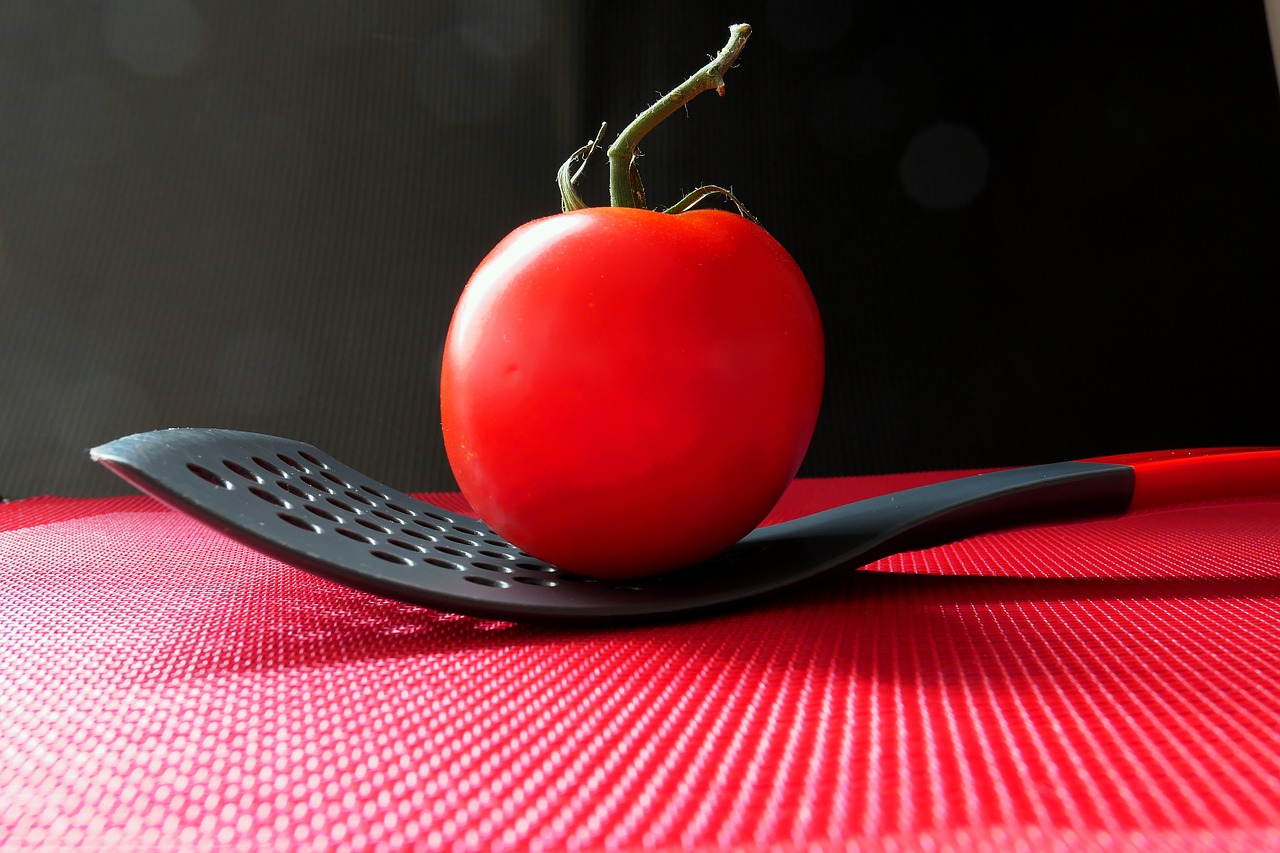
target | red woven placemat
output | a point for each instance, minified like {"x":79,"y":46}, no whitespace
{"x":1102,"y":684}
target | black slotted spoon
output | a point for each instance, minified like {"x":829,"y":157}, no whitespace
{"x":294,"y":502}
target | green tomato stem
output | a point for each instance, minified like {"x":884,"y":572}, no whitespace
{"x":693,"y":198}
{"x":566,"y":177}
{"x":623,"y":176}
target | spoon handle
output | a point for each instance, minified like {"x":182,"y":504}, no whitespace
{"x":1104,"y":487}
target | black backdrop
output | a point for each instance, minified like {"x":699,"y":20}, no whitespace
{"x":1036,"y":231}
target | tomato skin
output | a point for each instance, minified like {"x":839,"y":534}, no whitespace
{"x":625,"y":392}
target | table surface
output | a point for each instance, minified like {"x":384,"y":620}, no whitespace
{"x":1105,"y":683}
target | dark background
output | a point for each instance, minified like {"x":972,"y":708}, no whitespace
{"x":1036,"y":231}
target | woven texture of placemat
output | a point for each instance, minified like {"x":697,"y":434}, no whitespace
{"x":1102,"y":684}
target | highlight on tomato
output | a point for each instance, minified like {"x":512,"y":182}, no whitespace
{"x":627,"y":391}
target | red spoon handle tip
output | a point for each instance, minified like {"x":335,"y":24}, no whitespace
{"x":1169,"y":477}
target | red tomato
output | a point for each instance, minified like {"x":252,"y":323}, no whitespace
{"x":626,"y":391}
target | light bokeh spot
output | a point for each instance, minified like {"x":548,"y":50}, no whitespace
{"x":163,"y":38}
{"x":945,"y":166}
{"x":463,"y":76}
{"x":807,"y":26}
{"x":511,"y":27}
